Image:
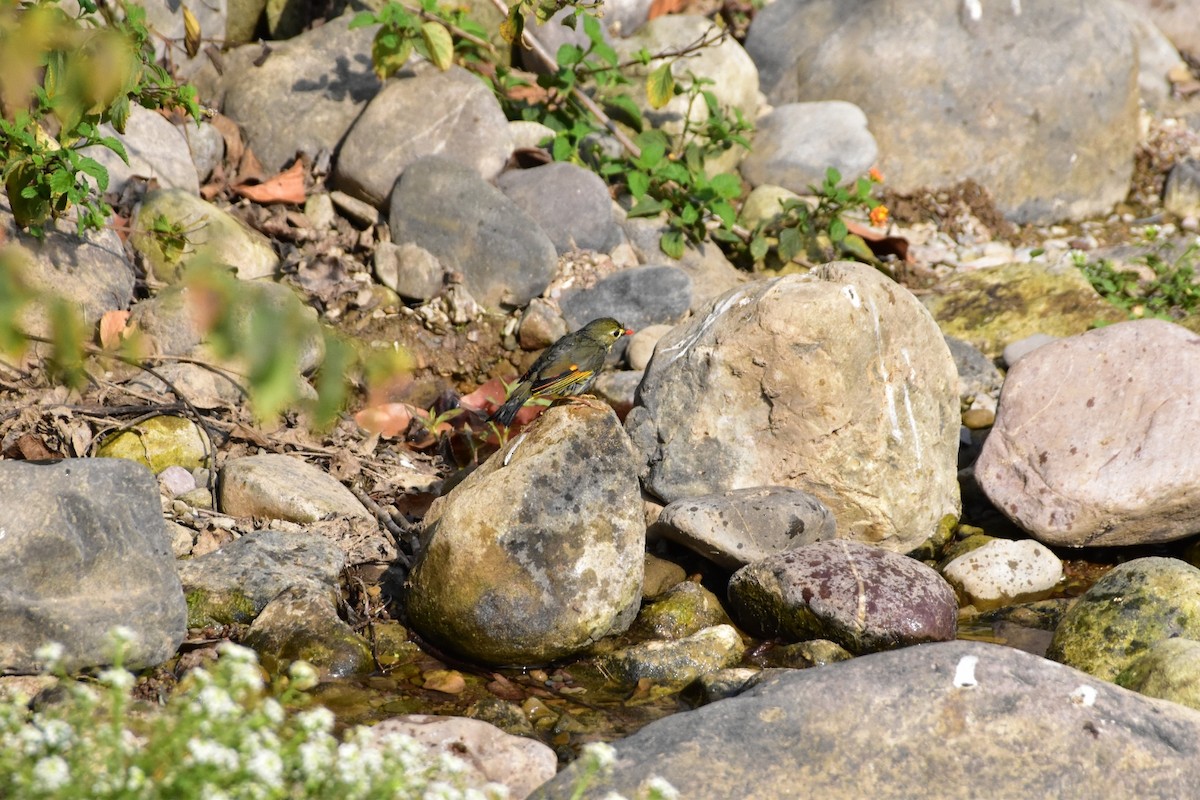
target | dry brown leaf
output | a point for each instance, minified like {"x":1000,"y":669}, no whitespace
{"x":235,"y":147}
{"x":661,"y":8}
{"x":387,"y":419}
{"x":488,"y":397}
{"x":113,"y":326}
{"x":286,"y":187}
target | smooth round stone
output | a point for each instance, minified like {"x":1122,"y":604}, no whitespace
{"x":1116,"y":622}
{"x":1017,"y":350}
{"x":1003,"y":572}
{"x":862,"y":597}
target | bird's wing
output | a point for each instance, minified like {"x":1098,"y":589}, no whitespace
{"x":556,"y":382}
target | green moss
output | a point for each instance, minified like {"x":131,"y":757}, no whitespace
{"x":158,"y":443}
{"x":219,"y":608}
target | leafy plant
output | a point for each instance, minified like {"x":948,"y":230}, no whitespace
{"x":1172,"y":292}
{"x":404,"y":30}
{"x":818,"y":231}
{"x":61,"y":78}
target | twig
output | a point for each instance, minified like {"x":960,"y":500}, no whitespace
{"x":402,"y":536}
{"x":543,"y":55}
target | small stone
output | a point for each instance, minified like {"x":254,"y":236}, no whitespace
{"x":160,"y":442}
{"x":446,"y":681}
{"x":357,"y":211}
{"x":1181,"y":196}
{"x":661,"y":575}
{"x":1117,"y":621}
{"x":284,"y":487}
{"x":681,"y":611}
{"x":745,"y":525}
{"x":1017,"y":350}
{"x":1003,"y":572}
{"x":978,"y":418}
{"x":319,"y":210}
{"x":861,"y":596}
{"x":409,"y":270}
{"x":1170,"y":669}
{"x":175,"y":480}
{"x":676,"y":663}
{"x":541,"y":325}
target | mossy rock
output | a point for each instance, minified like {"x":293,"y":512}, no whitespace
{"x":991,"y":308}
{"x":160,"y":442}
{"x":1126,"y":613}
{"x":219,"y":608}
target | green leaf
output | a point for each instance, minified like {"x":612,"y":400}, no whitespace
{"x":726,"y":185}
{"x":653,"y":151}
{"x":569,"y":55}
{"x":672,"y":244}
{"x":61,"y":181}
{"x":118,"y":114}
{"x":114,"y":144}
{"x":514,"y":24}
{"x":591,"y":28}
{"x":563,"y":149}
{"x":791,"y":244}
{"x":646,"y":207}
{"x":390,"y":53}
{"x":837,"y":230}
{"x":856,"y":246}
{"x":724,"y":212}
{"x":362,"y":19}
{"x":622,"y":108}
{"x":759,"y":248}
{"x":91,"y":166}
{"x":638,"y":183}
{"x":660,"y":86}
{"x":438,"y":43}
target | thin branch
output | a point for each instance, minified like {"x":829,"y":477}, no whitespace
{"x":543,"y":55}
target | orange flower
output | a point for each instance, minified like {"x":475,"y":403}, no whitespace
{"x":879,"y":216}
{"x":875,"y":175}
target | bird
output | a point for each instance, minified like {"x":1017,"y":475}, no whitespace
{"x":567,"y":368}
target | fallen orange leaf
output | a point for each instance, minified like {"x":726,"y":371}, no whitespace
{"x":286,"y":187}
{"x":112,"y":328}
{"x":387,"y":419}
{"x":662,"y":7}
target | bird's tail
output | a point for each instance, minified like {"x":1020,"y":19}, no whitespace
{"x":506,"y":413}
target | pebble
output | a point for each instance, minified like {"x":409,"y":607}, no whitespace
{"x":1005,"y":572}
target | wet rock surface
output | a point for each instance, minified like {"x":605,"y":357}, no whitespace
{"x":976,"y":716}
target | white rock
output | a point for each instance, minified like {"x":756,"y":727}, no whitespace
{"x":1003,"y":572}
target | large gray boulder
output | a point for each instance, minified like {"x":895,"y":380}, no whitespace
{"x":301,"y":95}
{"x":397,"y":128}
{"x":539,"y":552}
{"x":83,"y":549}
{"x":837,"y":382}
{"x":1037,"y":102}
{"x":472,"y":228}
{"x":948,"y":720}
